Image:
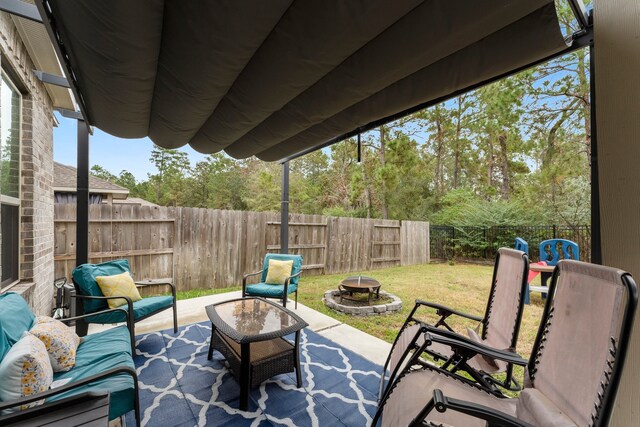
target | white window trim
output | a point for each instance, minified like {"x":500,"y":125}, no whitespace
{"x":13,"y":201}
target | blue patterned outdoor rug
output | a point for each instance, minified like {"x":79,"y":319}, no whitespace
{"x":180,"y":387}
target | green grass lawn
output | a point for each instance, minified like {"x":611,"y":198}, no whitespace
{"x":464,"y":287}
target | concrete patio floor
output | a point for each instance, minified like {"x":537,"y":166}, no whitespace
{"x":193,"y":311}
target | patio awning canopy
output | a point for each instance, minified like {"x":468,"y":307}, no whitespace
{"x":280,"y":77}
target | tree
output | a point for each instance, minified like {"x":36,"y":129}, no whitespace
{"x":102,"y":173}
{"x":170,"y":182}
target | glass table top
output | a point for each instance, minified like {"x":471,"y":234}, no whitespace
{"x":253,"y":319}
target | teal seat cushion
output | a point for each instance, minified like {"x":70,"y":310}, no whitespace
{"x":16,"y":317}
{"x":142,"y":308}
{"x":297,"y":265}
{"x":269,"y":291}
{"x":95,"y":347}
{"x":121,"y":385}
{"x":84,"y":276}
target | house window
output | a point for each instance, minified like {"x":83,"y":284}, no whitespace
{"x":10,"y":119}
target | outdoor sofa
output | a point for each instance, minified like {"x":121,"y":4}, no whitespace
{"x":103,"y":362}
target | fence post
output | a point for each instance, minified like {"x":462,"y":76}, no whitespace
{"x":484,"y":237}
{"x":554,"y":231}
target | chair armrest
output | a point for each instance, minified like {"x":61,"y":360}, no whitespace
{"x":444,"y":310}
{"x":96,"y":297}
{"x":158,"y":282}
{"x":71,"y":319}
{"x":443,"y":403}
{"x":288,"y":279}
{"x":130,"y":321}
{"x":458,"y":342}
{"x":69,"y":386}
{"x":245,"y":277}
{"x":296,"y":275}
{"x":154,"y":282}
{"x":252,"y":274}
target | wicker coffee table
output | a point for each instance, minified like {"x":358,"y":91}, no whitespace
{"x":249,"y":333}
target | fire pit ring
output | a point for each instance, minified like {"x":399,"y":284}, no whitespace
{"x":332,"y":299}
{"x":359,"y":285}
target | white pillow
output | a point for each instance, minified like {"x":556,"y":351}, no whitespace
{"x":25,"y":370}
{"x":59,"y":340}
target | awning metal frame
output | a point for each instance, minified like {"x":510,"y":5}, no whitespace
{"x":48,"y":21}
{"x":51,"y":79}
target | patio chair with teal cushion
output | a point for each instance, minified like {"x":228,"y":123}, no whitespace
{"x":280,"y":292}
{"x":93,"y":300}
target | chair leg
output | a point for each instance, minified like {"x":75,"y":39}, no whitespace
{"x":527,"y":296}
{"x":82,"y":327}
{"x":284,"y":301}
{"x":132,"y":335}
{"x":175,"y":317}
{"x":137,"y":408}
{"x":296,"y":299}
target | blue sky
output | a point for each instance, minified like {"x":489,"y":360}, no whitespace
{"x":113,"y":154}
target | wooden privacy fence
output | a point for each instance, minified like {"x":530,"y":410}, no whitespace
{"x":210,"y":248}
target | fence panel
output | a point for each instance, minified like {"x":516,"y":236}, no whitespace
{"x":414,"y":242}
{"x":208,"y":248}
{"x":448,"y":242}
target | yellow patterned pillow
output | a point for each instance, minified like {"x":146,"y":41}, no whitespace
{"x":25,"y":370}
{"x":119,"y":285}
{"x":60,"y":341}
{"x":278,"y":272}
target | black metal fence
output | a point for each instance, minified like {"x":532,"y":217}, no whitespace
{"x":449,"y":242}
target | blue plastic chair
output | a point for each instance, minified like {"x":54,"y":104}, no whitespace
{"x":550,"y":254}
{"x":522,"y":245}
{"x":275,"y":291}
{"x":549,"y":251}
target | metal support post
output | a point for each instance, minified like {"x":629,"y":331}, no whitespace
{"x":284,"y":210}
{"x":82,"y":211}
{"x":82,"y":191}
{"x":596,"y":245}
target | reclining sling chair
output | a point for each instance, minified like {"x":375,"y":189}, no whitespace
{"x":571,"y":378}
{"x":499,"y":329}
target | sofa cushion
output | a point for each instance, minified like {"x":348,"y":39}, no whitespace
{"x":84,"y":276}
{"x":141,"y":309}
{"x":269,"y":291}
{"x":103,"y":345}
{"x":118,"y":285}
{"x":60,"y":341}
{"x":121,"y":385}
{"x":15,"y":319}
{"x":25,"y":370}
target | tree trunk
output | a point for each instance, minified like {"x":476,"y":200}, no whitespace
{"x":456,"y":152}
{"x":385,"y":208}
{"x":585,"y":89}
{"x":504,"y":167}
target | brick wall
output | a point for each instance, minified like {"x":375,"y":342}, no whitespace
{"x":36,"y":176}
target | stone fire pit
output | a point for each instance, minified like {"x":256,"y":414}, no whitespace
{"x":332,"y":300}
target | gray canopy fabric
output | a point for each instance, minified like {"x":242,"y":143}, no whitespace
{"x":274,"y":78}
